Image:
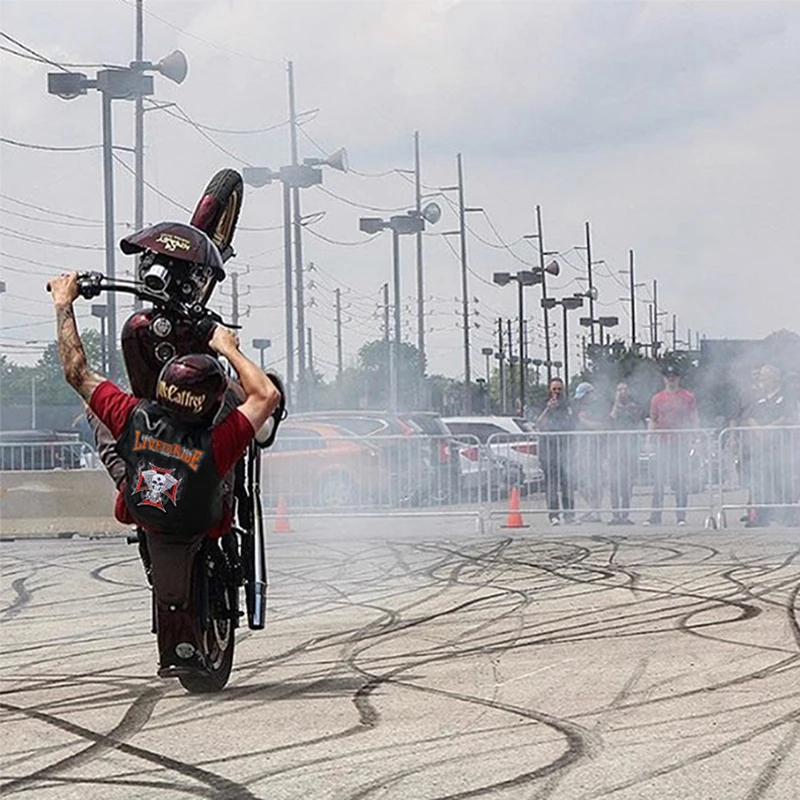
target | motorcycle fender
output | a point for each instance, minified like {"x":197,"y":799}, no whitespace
{"x":173,"y":562}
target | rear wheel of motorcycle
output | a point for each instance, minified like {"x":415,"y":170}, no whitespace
{"x":217,"y":636}
{"x":218,"y":210}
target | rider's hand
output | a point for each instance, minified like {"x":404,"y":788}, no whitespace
{"x":223,"y":341}
{"x":64,"y":288}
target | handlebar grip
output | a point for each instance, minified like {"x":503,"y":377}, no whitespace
{"x":206,"y":326}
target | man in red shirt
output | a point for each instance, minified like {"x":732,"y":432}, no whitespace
{"x":672,"y":410}
{"x":169,"y":461}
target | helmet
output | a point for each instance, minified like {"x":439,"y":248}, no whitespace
{"x":192,"y":388}
{"x":175,"y":240}
{"x":171,"y":245}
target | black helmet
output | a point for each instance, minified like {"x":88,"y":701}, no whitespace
{"x":192,"y":388}
{"x":175,"y":241}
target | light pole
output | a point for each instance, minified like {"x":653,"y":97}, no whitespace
{"x":602,"y":323}
{"x":294,"y":177}
{"x":412,"y":222}
{"x":261,"y":345}
{"x":567,"y":304}
{"x":124,"y":83}
{"x":524,"y":278}
{"x":100,"y":310}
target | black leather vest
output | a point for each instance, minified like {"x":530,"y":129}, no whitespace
{"x":172,"y":480}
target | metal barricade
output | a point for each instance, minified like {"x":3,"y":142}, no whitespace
{"x":585,"y":475}
{"x":16,"y":456}
{"x":759,"y":475}
{"x":321,"y":475}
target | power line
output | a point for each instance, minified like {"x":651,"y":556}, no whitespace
{"x":47,"y":210}
{"x":51,"y":148}
{"x":39,"y":56}
{"x":151,"y":187}
{"x":53,"y":221}
{"x":206,"y":41}
{"x":348,"y":244}
{"x":15,"y":234}
{"x":358,"y":205}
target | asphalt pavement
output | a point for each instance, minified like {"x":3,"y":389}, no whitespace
{"x":420,"y":659}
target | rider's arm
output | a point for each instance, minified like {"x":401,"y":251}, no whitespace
{"x":261,"y":395}
{"x":70,"y":348}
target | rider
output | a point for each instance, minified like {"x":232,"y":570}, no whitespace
{"x":171,"y":459}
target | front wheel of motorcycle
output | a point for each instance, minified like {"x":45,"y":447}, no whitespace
{"x":218,"y":210}
{"x":217,"y":612}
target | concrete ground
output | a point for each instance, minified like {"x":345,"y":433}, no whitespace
{"x":420,"y":658}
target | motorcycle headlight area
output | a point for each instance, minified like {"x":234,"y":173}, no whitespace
{"x":171,"y":278}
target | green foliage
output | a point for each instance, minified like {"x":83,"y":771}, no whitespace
{"x":51,"y":387}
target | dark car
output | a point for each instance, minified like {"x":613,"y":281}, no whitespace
{"x":443,"y":456}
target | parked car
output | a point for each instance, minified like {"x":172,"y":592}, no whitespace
{"x":509,"y":438}
{"x":40,"y":450}
{"x":404,"y":453}
{"x":324,"y":466}
{"x":443,"y":457}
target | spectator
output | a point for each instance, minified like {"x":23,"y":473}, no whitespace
{"x":771,"y":473}
{"x":589,"y":450}
{"x":623,"y":457}
{"x":555,"y":452}
{"x":672,"y":410}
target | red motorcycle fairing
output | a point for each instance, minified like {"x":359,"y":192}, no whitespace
{"x":150,"y":339}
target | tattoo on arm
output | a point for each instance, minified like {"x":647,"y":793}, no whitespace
{"x":72,"y":355}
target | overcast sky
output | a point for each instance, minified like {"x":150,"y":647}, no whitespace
{"x":671,"y":127}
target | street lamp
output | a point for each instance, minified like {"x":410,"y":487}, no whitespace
{"x":100,"y":310}
{"x":487,"y":353}
{"x":524,"y":278}
{"x":567,"y":304}
{"x":123,"y":83}
{"x":603,"y":323}
{"x":261,"y":345}
{"x":412,"y":222}
{"x":294,"y":176}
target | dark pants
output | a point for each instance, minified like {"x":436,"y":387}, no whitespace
{"x":671,"y":469}
{"x":556,"y":460}
{"x":622,"y":463}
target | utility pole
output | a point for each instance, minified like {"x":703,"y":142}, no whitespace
{"x":501,"y":357}
{"x":540,"y":237}
{"x":674,"y":332}
{"x":298,"y":246}
{"x":511,"y":388}
{"x":138,"y":147}
{"x":310,"y":370}
{"x":288,"y":286}
{"x":587,"y":230}
{"x":464,"y":288}
{"x":420,"y":276}
{"x":633,"y":300}
{"x":390,"y":348}
{"x":339,"y":360}
{"x":656,"y":343}
{"x":386,"y":313}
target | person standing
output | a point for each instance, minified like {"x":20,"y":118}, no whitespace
{"x":589,"y":449}
{"x":557,"y":422}
{"x":623,"y":454}
{"x":771,"y":446}
{"x":673,"y":411}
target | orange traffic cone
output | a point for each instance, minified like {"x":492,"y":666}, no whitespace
{"x":282,"y":524}
{"x":514,"y":518}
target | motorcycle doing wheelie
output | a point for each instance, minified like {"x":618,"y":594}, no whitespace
{"x":196,"y":580}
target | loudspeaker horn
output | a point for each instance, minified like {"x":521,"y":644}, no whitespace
{"x":553,"y":268}
{"x":338,"y":160}
{"x":174,"y":66}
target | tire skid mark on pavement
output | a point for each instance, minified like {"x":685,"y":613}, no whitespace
{"x":134,"y":720}
{"x":766,"y":777}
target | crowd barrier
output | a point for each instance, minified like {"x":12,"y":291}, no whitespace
{"x":614,"y":476}
{"x":759,"y":475}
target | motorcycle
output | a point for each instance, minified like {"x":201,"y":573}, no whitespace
{"x":196,"y":581}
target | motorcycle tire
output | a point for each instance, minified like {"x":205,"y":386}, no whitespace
{"x":217,"y":212}
{"x":216,"y":604}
